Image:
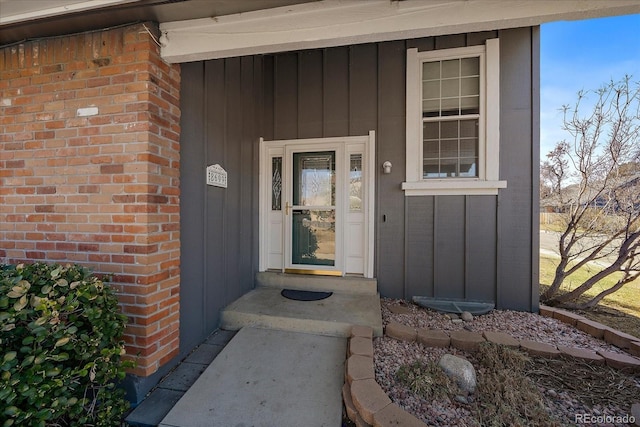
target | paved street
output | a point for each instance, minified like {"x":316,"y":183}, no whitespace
{"x":549,"y":245}
{"x":549,"y":242}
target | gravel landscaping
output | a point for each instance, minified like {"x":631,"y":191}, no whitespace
{"x":564,"y":388}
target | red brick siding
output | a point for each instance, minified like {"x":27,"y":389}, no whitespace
{"x":101,"y":190}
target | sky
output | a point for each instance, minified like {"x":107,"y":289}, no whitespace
{"x":582,"y":55}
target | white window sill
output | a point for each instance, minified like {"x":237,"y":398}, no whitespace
{"x":452,"y":187}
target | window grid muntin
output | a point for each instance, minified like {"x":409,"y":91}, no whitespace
{"x":450,"y":87}
{"x":454,"y":148}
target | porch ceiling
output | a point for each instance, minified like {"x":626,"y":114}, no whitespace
{"x":343,"y":22}
{"x":206,"y":29}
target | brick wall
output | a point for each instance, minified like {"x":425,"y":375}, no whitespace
{"x":89,"y":171}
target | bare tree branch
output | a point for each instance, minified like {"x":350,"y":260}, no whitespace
{"x":593,"y":179}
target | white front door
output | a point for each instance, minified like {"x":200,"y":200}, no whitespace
{"x":316,"y":206}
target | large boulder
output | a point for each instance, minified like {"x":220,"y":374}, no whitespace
{"x":460,"y":370}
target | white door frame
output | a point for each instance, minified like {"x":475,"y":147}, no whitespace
{"x":267,"y":219}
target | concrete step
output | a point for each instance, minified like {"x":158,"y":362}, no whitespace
{"x":347,"y":284}
{"x":267,"y":378}
{"x":264,"y":307}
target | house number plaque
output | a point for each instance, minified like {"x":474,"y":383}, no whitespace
{"x":216,"y":176}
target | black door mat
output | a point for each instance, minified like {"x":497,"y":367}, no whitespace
{"x":297,"y":295}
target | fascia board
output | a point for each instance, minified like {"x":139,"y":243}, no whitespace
{"x":330,"y":23}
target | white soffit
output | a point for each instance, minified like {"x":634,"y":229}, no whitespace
{"x":342,"y":22}
{"x":16,"y":11}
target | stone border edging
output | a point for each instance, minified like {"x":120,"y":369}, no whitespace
{"x":366,"y":402}
{"x":368,"y":405}
{"x":469,"y":341}
{"x":623,"y":341}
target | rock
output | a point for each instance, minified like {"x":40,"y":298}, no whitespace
{"x":457,"y":320}
{"x":399,"y":309}
{"x":368,"y":398}
{"x":400,"y":332}
{"x":361,"y":346}
{"x":535,"y":348}
{"x":466,"y":316}
{"x":460,"y":370}
{"x":552,"y":393}
{"x":362,"y":331}
{"x":582,"y":354}
{"x":501,"y":338}
{"x":635,"y":348}
{"x":592,"y":328}
{"x":619,"y":339}
{"x":620,"y":361}
{"x":433,"y":338}
{"x":393,"y":415}
{"x":452,"y":316}
{"x":546,"y":310}
{"x":461,"y":399}
{"x":567,"y":317}
{"x":352,"y":412}
{"x":359,"y":368}
{"x":466,"y":340}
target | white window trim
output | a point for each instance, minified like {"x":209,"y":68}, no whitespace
{"x":488,"y":181}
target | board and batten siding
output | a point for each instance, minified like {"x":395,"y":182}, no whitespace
{"x":221,"y":124}
{"x":468,"y":247}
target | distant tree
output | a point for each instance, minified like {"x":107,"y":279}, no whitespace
{"x":593,"y":178}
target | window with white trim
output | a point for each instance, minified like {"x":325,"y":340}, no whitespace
{"x":453,"y":121}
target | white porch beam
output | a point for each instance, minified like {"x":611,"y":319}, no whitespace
{"x":342,"y":22}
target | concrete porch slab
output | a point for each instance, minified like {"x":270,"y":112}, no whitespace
{"x":264,"y":307}
{"x":266,"y":378}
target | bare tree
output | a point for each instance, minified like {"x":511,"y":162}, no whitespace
{"x":593,"y":178}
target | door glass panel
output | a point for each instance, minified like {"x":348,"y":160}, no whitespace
{"x":313,"y":239}
{"x":276,"y":183}
{"x":314,"y":176}
{"x":355,"y":182}
{"x":313,"y":233}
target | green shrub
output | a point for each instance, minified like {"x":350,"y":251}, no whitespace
{"x":60,"y":348}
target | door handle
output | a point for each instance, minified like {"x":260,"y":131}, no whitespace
{"x":287,"y":206}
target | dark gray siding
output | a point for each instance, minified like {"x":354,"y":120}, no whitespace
{"x":221,"y":116}
{"x":486,"y":247}
{"x":444,"y":246}
{"x":473,"y":247}
{"x":451,"y":247}
{"x":519,"y":164}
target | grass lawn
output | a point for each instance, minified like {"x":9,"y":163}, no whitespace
{"x":620,"y":310}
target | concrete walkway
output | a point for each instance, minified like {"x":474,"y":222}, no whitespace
{"x":173,"y":386}
{"x":284,"y":367}
{"x":267,"y":378}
